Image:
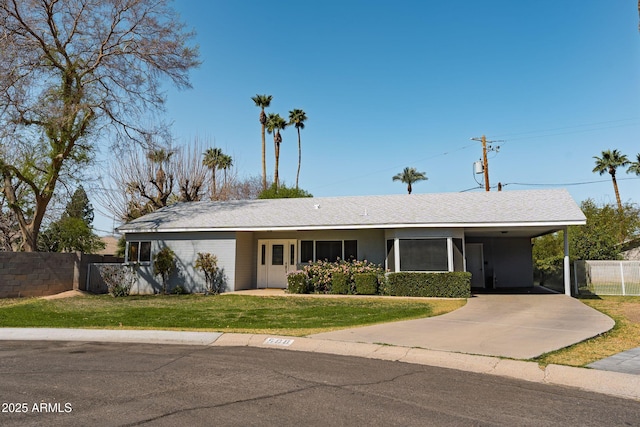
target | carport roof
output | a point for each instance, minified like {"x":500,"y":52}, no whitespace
{"x":537,"y":211}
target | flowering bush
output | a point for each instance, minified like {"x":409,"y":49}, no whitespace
{"x":297,"y":282}
{"x":320,"y":273}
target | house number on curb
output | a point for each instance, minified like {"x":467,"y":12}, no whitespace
{"x":278,"y":341}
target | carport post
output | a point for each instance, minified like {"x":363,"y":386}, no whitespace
{"x":567,"y":269}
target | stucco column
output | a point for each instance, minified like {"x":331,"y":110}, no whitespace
{"x":567,"y":269}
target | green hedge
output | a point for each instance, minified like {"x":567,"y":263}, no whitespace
{"x":446,"y":285}
{"x":339,"y":283}
{"x":366,"y":283}
{"x":297,"y":283}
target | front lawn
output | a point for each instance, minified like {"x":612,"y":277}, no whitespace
{"x":292,"y":316}
{"x":625,"y":335}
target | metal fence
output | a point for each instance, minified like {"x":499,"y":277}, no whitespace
{"x":612,"y":277}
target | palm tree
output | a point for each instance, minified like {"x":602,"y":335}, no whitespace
{"x":609,"y":162}
{"x":160,"y":156}
{"x":634,"y":167}
{"x":297,"y":118}
{"x":409,"y":176}
{"x":225,"y":163}
{"x":275,"y":124}
{"x":212,"y":159}
{"x":263,"y":101}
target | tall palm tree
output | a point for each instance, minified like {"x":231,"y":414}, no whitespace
{"x":263,"y":101}
{"x":409,"y":176}
{"x":297,"y":118}
{"x":609,"y":162}
{"x":212,"y":159}
{"x":275,"y":124}
{"x":634,"y":167}
{"x":225,"y":163}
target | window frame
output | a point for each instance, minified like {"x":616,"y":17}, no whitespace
{"x":393,"y":259}
{"x":304,"y":243}
{"x":138,"y":244}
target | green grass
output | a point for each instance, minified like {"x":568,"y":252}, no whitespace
{"x":625,"y":335}
{"x":225,"y":313}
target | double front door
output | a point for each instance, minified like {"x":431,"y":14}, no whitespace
{"x":276,"y":258}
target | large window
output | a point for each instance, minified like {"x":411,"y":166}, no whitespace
{"x":139,"y":252}
{"x":424,"y":255}
{"x":328,"y":250}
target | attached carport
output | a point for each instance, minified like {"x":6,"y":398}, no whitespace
{"x":501,"y":256}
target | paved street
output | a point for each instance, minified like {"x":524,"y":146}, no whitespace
{"x":79,"y":383}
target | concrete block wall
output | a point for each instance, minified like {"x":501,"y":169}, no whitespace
{"x":34,"y":274}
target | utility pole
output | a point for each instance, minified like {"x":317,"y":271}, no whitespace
{"x":485,"y":162}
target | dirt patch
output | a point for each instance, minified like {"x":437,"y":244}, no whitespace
{"x":67,"y":294}
{"x":632,"y":312}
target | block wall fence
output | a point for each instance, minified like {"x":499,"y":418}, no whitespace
{"x":35,"y":274}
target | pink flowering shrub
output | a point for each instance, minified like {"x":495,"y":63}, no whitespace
{"x":319,"y":274}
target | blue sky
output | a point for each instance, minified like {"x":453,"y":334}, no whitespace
{"x":391,"y":84}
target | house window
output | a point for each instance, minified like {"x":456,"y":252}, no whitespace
{"x":423,"y":255}
{"x":350,"y":249}
{"x":391,"y":255}
{"x":139,"y":252}
{"x":458,"y":255}
{"x":328,"y":250}
{"x":306,"y":250}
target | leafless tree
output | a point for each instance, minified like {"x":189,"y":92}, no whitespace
{"x":70,"y":72}
{"x":142,"y":180}
{"x":190,"y":172}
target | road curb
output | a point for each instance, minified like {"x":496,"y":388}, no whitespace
{"x":605,"y":382}
{"x":107,"y":335}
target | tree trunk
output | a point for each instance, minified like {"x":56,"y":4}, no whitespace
{"x":615,"y":189}
{"x":299,"y":158}
{"x":264,"y":160}
{"x":275,"y":174}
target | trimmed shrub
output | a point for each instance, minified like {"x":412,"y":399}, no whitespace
{"x":297,"y":283}
{"x":339,"y":283}
{"x":366,"y":283}
{"x":446,"y":285}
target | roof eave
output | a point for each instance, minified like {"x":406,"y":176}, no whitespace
{"x":358,"y":227}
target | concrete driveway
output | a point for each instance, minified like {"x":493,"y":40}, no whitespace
{"x":515,"y":326}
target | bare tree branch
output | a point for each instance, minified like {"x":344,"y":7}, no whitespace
{"x":69,"y":71}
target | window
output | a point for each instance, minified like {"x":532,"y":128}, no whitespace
{"x":329,"y":250}
{"x":458,"y":256}
{"x":391,"y":255}
{"x":306,"y":250}
{"x":277,"y":255}
{"x":263,"y":255}
{"x":139,"y":252}
{"x":423,"y":255}
{"x":350,"y":249}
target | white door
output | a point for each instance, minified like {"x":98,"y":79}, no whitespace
{"x":475,"y":263}
{"x":276,"y":258}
